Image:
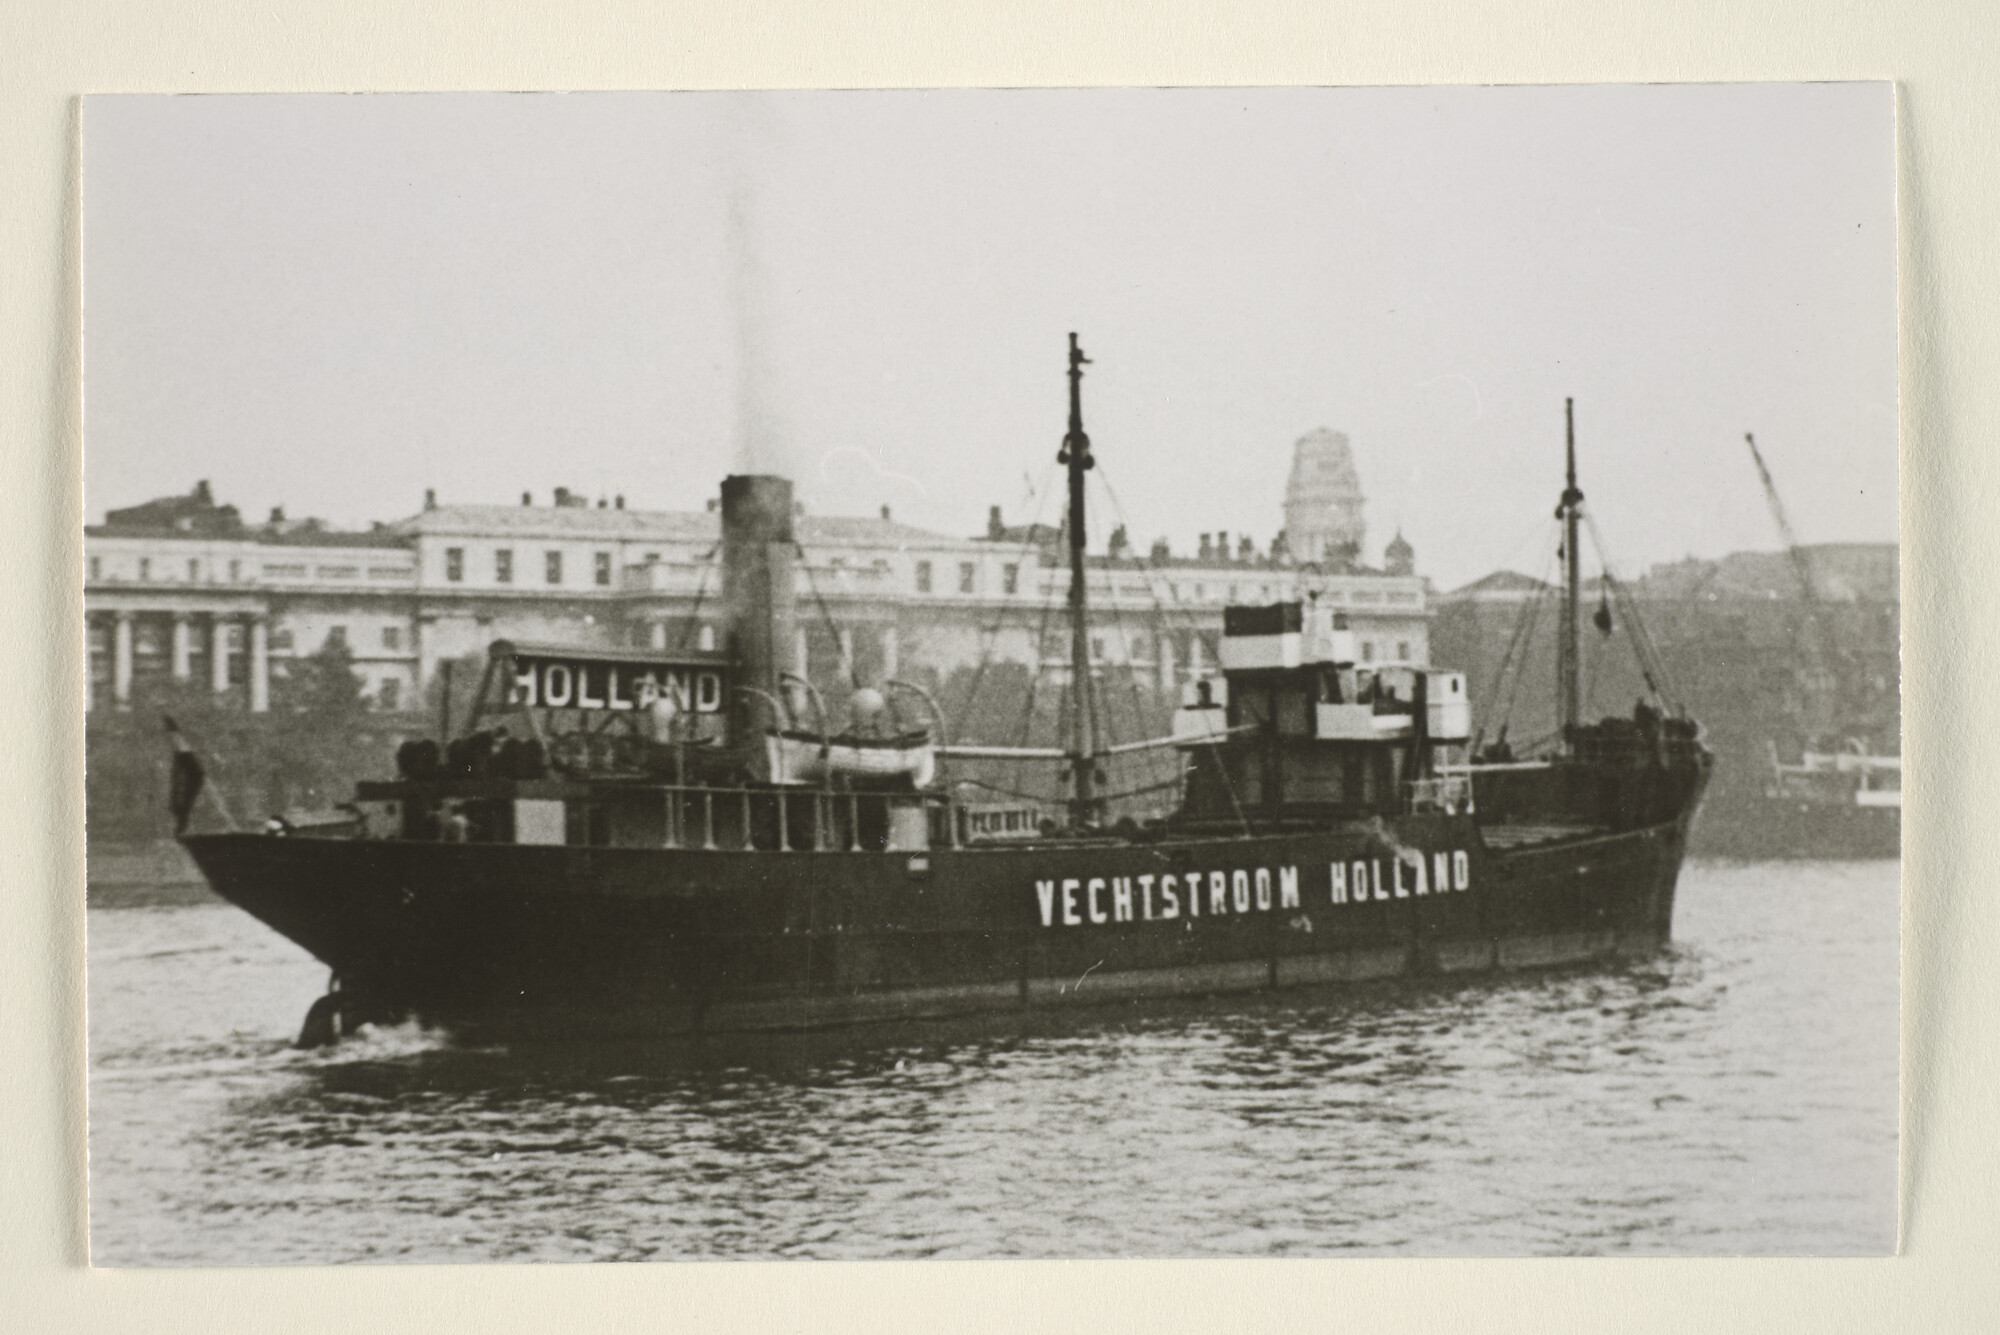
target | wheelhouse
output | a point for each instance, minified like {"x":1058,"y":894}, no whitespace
{"x":1295,"y":730}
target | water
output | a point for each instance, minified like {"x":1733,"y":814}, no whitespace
{"x":1737,"y":1094}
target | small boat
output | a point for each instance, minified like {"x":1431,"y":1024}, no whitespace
{"x":803,"y":758}
{"x":1843,"y":802}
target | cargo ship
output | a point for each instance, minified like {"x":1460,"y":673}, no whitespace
{"x":649,"y":845}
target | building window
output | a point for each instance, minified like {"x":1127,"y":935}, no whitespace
{"x":336,"y":637}
{"x":1010,"y":578}
{"x":145,"y":567}
{"x":1368,"y":651}
{"x":552,"y":567}
{"x":388,"y":693}
{"x":923,"y":577}
{"x":96,"y":568}
{"x":965,"y":573}
{"x":281,"y":640}
{"x":1403,"y":651}
{"x":604,"y":568}
{"x":235,"y":571}
{"x":392,"y":638}
{"x":454,"y":564}
{"x":194,"y":570}
{"x":503,"y":566}
{"x":1096,"y":647}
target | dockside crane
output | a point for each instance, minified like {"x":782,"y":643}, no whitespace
{"x":1819,"y":644}
{"x":1800,"y":565}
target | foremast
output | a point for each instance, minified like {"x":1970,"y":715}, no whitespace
{"x":1083,"y":720}
{"x":1568,"y":649}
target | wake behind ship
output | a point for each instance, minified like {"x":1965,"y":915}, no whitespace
{"x":649,"y":844}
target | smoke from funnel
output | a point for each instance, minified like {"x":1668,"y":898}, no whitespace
{"x":760,"y":431}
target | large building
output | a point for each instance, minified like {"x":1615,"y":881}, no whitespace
{"x":183,"y":588}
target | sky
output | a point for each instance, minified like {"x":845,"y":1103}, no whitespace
{"x":332,"y":303}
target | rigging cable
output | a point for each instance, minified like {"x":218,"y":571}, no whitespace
{"x":1536,"y":535}
{"x":1597,"y":654}
{"x":1195,"y":632}
{"x":1036,"y":797}
{"x":992,"y":633}
{"x":1195,"y":637}
{"x":1035,"y":679}
{"x":700,"y":592}
{"x":1516,"y":641}
{"x":1153,"y":763}
{"x":826,"y":616}
{"x":1524,"y":637}
{"x":1652,"y":664}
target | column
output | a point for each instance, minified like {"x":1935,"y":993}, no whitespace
{"x":658,"y":635}
{"x":1164,"y":649}
{"x":260,"y":666}
{"x":847,"y":652}
{"x":1194,"y":655}
{"x":890,"y":667}
{"x":121,"y":660}
{"x":420,"y":646}
{"x":803,"y":660}
{"x":183,"y":647}
{"x":218,"y":654}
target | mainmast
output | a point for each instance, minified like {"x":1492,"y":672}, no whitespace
{"x":1083,"y":722}
{"x":1567,"y":651}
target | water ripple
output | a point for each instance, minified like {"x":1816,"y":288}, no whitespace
{"x":1735,"y":1094}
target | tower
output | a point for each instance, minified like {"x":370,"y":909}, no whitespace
{"x":1323,"y":524}
{"x":1399,"y":558}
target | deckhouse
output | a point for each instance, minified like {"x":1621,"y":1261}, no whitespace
{"x":1297,"y":729}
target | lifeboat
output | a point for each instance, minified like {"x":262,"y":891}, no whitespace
{"x":806,"y":758}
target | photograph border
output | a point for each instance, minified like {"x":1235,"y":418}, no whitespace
{"x":1946,"y":113}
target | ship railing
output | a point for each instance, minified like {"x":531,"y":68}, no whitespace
{"x":794,"y":820}
{"x":1450,"y":794}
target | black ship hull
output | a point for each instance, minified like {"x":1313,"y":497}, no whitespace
{"x":657,"y":942}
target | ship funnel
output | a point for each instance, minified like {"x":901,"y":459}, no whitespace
{"x":757,"y":593}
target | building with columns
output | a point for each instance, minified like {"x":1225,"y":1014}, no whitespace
{"x":182,"y":587}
